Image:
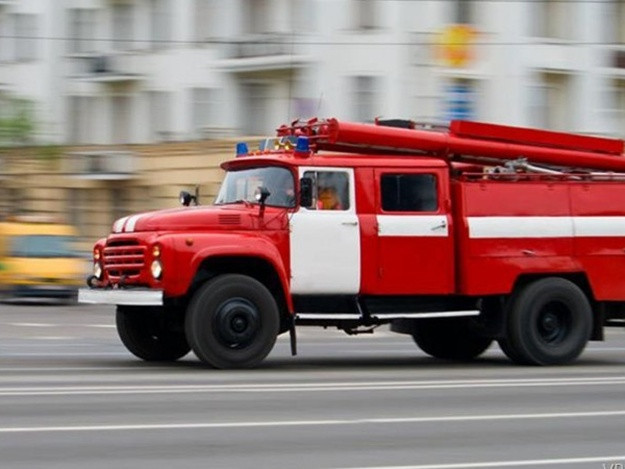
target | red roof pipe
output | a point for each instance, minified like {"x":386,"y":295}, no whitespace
{"x":446,"y":144}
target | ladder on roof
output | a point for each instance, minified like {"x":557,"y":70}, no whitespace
{"x":468,"y":141}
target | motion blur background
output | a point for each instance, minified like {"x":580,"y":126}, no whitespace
{"x":109,"y":107}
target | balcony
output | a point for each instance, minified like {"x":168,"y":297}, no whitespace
{"x":102,"y":165}
{"x":112,"y":68}
{"x":262,"y":52}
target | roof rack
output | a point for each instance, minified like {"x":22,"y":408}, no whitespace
{"x":469,"y":141}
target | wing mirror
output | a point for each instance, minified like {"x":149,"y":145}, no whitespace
{"x":261,"y":194}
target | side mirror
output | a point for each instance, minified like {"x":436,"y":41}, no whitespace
{"x":186,"y":198}
{"x":306,"y":192}
{"x":261,"y":194}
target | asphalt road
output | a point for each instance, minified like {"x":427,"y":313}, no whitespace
{"x":72,"y":397}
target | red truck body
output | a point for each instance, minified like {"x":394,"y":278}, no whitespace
{"x":457,"y":236}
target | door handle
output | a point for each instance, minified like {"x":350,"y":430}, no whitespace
{"x":349,"y":223}
{"x":443,"y":225}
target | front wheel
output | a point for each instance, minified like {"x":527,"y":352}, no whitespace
{"x":148,"y":334}
{"x":450,"y":339}
{"x":549,"y":323}
{"x":232,"y":322}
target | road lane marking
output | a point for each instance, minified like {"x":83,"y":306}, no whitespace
{"x":605,"y":460}
{"x":312,"y":423}
{"x":31,"y":324}
{"x":43,"y":324}
{"x":308,"y":387}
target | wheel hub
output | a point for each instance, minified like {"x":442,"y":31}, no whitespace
{"x":553,"y":325}
{"x":237,"y":322}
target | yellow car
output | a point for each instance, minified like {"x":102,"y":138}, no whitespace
{"x":38,"y":260}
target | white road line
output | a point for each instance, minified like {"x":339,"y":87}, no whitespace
{"x":310,"y":423}
{"x":31,"y":324}
{"x":605,"y":460}
{"x":42,"y":324}
{"x":52,"y":337}
{"x":65,"y":354}
{"x":68,"y":369}
{"x":308,"y":387}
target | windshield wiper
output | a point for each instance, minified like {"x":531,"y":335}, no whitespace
{"x":245,"y":202}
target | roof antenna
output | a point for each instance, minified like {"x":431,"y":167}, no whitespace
{"x":319,"y":103}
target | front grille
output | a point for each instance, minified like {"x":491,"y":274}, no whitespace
{"x":124,"y":258}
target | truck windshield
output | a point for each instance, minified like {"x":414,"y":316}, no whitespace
{"x":244,"y":185}
{"x":48,"y":246}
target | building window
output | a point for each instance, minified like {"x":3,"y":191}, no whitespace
{"x":618,"y":106}
{"x":464,"y":12}
{"x":304,"y":14}
{"x":80,"y":119}
{"x":160,"y":23}
{"x":5,"y":53}
{"x":366,"y":14}
{"x":16,"y":201}
{"x":257,"y":17}
{"x":257,"y":101}
{"x":552,"y":19}
{"x":119,"y":201}
{"x":203,"y":109}
{"x":160,"y":112}
{"x":82,"y":30}
{"x":121,"y":115}
{"x":25,"y":37}
{"x":409,"y":193}
{"x":550,"y":102}
{"x":365,"y":91}
{"x":616,"y":21}
{"x":78,"y":205}
{"x":205,"y":12}
{"x":123,"y":34}
{"x":5,"y":205}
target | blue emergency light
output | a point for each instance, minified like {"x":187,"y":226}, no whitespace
{"x":302,"y":145}
{"x":241,"y":149}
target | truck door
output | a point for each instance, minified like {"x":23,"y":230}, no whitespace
{"x":325,"y":238}
{"x":415,"y":242}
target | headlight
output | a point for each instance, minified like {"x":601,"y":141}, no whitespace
{"x":157,"y":269}
{"x":97,"y":270}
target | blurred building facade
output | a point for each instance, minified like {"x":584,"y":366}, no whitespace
{"x":115,"y":74}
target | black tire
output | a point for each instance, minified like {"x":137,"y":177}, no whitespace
{"x":232,"y":322}
{"x":449,"y":339}
{"x":148,"y":334}
{"x":549,"y":323}
{"x":509,"y":351}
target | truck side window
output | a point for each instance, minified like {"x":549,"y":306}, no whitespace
{"x":330,"y":190}
{"x":409,"y":193}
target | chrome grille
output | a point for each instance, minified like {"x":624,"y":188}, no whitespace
{"x":124,"y":258}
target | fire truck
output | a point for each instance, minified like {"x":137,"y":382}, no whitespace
{"x":458,"y":236}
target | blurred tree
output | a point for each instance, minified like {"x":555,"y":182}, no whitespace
{"x":17,"y":124}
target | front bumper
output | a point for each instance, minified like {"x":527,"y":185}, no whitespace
{"x":121,"y":296}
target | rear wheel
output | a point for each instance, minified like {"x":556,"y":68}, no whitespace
{"x":549,"y":323}
{"x":450,"y":339}
{"x":232,"y":322}
{"x":148,"y":334}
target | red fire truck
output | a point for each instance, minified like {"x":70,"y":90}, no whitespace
{"x":458,"y":236}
